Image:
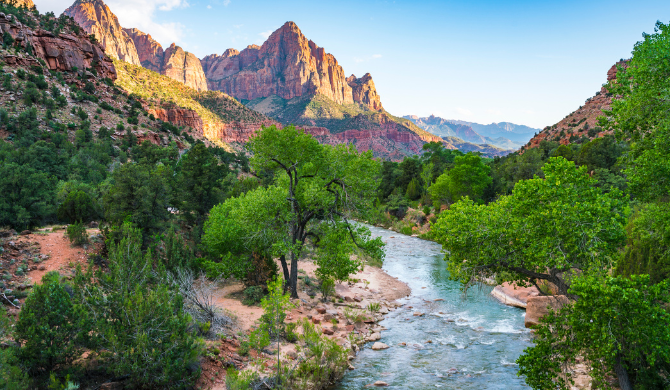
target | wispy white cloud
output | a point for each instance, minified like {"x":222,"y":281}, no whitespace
{"x":226,"y":3}
{"x":209,"y":7}
{"x":142,"y":15}
{"x":264,"y":36}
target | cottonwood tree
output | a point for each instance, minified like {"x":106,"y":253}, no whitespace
{"x":469,"y":177}
{"x":547,"y":229}
{"x":315,"y":192}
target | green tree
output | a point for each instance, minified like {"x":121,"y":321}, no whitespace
{"x":618,"y":325}
{"x":469,"y":177}
{"x":50,"y":327}
{"x":78,"y":206}
{"x":140,"y":195}
{"x":27,"y":196}
{"x":199,"y":185}
{"x":647,"y":248}
{"x":548,"y":229}
{"x":142,"y":330}
{"x":317,"y":188}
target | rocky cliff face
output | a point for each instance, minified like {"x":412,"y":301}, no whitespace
{"x":287,"y":65}
{"x":136,"y":47}
{"x":184,"y":67}
{"x":582,"y":122}
{"x":62,"y":52}
{"x":97,"y":19}
{"x":149,"y":52}
{"x":364,"y":91}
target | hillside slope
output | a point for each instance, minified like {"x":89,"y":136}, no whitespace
{"x":218,"y":117}
{"x":581,"y":124}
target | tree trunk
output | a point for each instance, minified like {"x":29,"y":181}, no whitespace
{"x":622,"y":374}
{"x":294,"y":275}
{"x":284,"y":267}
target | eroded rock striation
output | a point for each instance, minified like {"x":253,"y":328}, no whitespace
{"x":287,"y":65}
{"x":63,"y":52}
{"x":184,"y":67}
{"x":96,"y":18}
{"x":136,"y":47}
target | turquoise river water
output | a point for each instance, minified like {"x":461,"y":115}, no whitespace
{"x":475,"y":339}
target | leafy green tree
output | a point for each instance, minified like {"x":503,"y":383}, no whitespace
{"x":27,"y":196}
{"x":619,"y":325}
{"x":51,"y":327}
{"x":199,"y":185}
{"x":548,"y":229}
{"x":316,"y":190}
{"x":390,"y":173}
{"x":140,"y":195}
{"x":78,"y":206}
{"x":600,"y":153}
{"x":142,"y":330}
{"x":647,"y":248}
{"x":410,"y":169}
{"x":469,"y":177}
{"x":414,"y":189}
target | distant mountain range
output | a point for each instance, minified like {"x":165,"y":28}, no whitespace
{"x":503,"y":135}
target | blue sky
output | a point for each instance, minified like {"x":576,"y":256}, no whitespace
{"x":527,"y":62}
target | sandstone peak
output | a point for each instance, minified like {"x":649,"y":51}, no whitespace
{"x":230,"y":53}
{"x":95,"y":17}
{"x":287,"y":65}
{"x":24,"y":3}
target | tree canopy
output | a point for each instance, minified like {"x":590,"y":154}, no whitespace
{"x":315,"y":190}
{"x":545,"y":230}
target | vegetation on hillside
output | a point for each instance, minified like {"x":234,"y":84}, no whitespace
{"x":163,"y":92}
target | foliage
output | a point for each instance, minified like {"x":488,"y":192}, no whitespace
{"x":469,"y":177}
{"x":647,"y":248}
{"x":141,"y":195}
{"x":143,"y":331}
{"x":200,"y":183}
{"x":327,"y":288}
{"x":618,"y":323}
{"x":545,"y":230}
{"x":27,"y":196}
{"x":11,"y":375}
{"x":78,"y":206}
{"x":253,"y":295}
{"x":316,"y":188}
{"x":325,"y":360}
{"x":76,"y":233}
{"x":50,"y":327}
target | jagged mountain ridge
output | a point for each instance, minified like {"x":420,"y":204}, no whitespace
{"x":96,"y":18}
{"x":287,"y":65}
{"x":449,"y":130}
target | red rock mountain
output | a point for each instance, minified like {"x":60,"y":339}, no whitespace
{"x":287,"y":65}
{"x":97,"y":19}
{"x":582,"y":122}
{"x":62,"y":53}
{"x":136,"y":47}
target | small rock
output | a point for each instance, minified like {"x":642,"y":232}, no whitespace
{"x":418,"y":314}
{"x":379,"y":346}
{"x":328,"y":331}
{"x":42,"y":268}
{"x":348,"y":299}
{"x":429,"y":341}
{"x":375,"y":336}
{"x":358,"y":299}
{"x":316,"y":320}
{"x":402,"y":344}
{"x":380,"y":384}
{"x":351,"y":368}
{"x":321,"y":309}
{"x":439,"y":299}
{"x":26,"y":232}
{"x":292,"y":355}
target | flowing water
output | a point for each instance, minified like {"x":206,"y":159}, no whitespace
{"x":475,"y":339}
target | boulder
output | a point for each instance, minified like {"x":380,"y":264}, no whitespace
{"x":538,"y":307}
{"x":379,"y":346}
{"x":328,"y":331}
{"x":380,"y":384}
{"x":513,"y":295}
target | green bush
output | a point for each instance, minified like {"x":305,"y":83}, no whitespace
{"x":50,"y":327}
{"x":76,"y":233}
{"x":327,"y":288}
{"x":253,"y":295}
{"x":78,"y":206}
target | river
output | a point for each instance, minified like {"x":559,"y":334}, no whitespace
{"x":474,"y":340}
